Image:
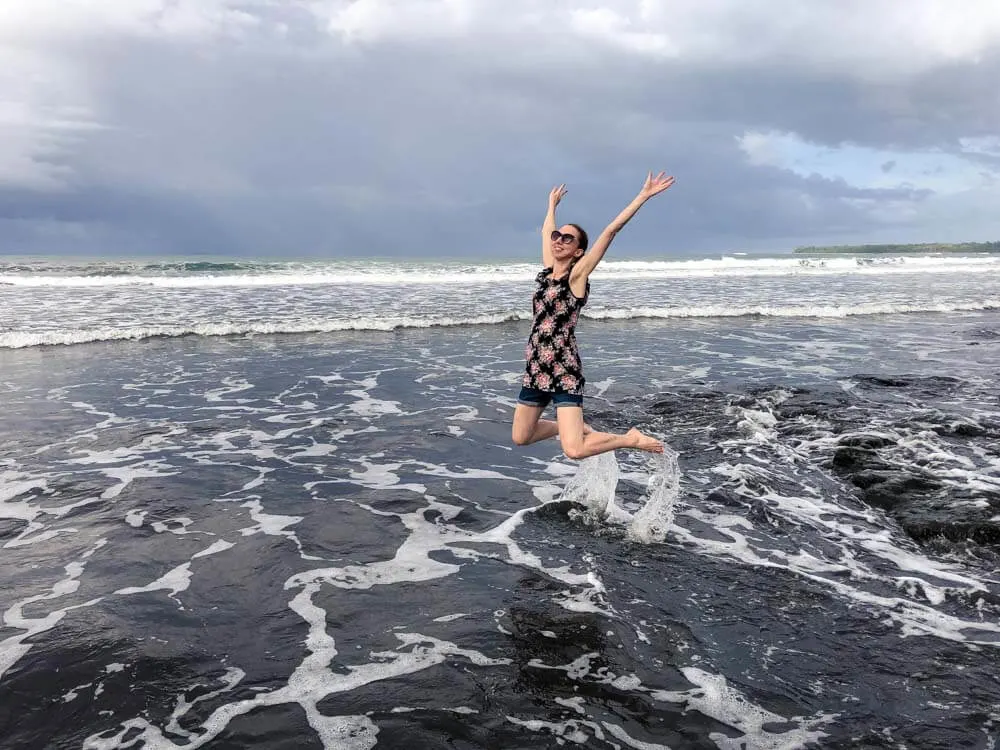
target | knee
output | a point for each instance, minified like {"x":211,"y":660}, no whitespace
{"x":573,"y":449}
{"x":519,"y":436}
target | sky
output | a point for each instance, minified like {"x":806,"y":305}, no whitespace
{"x":436,"y":128}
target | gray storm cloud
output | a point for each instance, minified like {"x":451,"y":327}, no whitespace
{"x":436,"y":128}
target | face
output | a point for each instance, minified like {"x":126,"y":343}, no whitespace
{"x":566,"y":243}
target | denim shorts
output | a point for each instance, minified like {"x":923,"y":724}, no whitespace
{"x":541,"y":399}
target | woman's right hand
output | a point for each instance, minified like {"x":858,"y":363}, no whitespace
{"x":556,"y":195}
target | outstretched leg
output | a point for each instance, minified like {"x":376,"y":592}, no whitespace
{"x":578,"y":443}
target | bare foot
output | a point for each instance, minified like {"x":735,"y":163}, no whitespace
{"x":644,"y":442}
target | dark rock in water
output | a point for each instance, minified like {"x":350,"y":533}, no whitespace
{"x":557,"y":509}
{"x":826,"y":404}
{"x":880,"y":430}
{"x":980,"y":533}
{"x":725,"y":497}
{"x":679,"y":402}
{"x":767,"y":396}
{"x":882,"y":382}
{"x":928,"y":385}
{"x":968,"y":429}
{"x":866,"y":441}
{"x":847,"y":458}
{"x":870,"y":478}
{"x":664,"y":407}
{"x":898,"y":490}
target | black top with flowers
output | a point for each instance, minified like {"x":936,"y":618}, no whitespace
{"x":553,"y":360}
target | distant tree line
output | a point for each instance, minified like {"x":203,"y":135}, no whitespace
{"x":924,"y":247}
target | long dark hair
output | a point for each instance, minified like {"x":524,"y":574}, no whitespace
{"x":583,"y":236}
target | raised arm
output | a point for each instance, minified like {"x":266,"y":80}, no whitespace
{"x":585,"y":266}
{"x":549,"y":225}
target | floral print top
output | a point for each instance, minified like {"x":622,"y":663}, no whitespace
{"x":553,"y":360}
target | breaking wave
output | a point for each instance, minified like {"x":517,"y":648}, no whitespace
{"x":16,"y":339}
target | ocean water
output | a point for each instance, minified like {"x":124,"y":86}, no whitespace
{"x":276,"y":505}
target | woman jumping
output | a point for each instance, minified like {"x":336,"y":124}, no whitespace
{"x":553,"y":371}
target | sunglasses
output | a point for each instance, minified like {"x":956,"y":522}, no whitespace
{"x":558,"y":236}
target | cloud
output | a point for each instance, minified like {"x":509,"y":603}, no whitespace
{"x":437,"y":126}
{"x":880,"y":37}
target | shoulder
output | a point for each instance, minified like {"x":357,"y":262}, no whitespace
{"x":544,"y":273}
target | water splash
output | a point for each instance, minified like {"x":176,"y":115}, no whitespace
{"x":652,"y":521}
{"x":595,"y":483}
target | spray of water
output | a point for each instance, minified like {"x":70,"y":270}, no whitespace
{"x":594,"y":487}
{"x":652,"y":521}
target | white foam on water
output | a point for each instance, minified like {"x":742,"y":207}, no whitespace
{"x":602,"y":386}
{"x":451,"y":618}
{"x":411,"y":563}
{"x":467,"y":414}
{"x":864,"y":539}
{"x":712,"y":696}
{"x":28,"y":535}
{"x":716,"y":698}
{"x":230,"y":386}
{"x":73,"y":694}
{"x":14,"y":647}
{"x":316,"y":450}
{"x":175,"y":581}
{"x":15,"y":484}
{"x":163,"y":527}
{"x":11,"y":486}
{"x":413,"y":560}
{"x":367,"y":406}
{"x":576,"y":704}
{"x":436,"y":470}
{"x":219,"y":546}
{"x":311,"y":682}
{"x":618,"y":733}
{"x":564,"y":731}
{"x":230,"y":679}
{"x":913,"y":618}
{"x":269,"y":523}
{"x":378,"y":477}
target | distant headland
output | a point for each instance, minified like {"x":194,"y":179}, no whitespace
{"x":926,"y":247}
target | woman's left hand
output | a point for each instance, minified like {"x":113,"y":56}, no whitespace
{"x":655,"y":185}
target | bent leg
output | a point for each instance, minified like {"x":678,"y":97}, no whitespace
{"x":529,"y":428}
{"x":578,"y":443}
